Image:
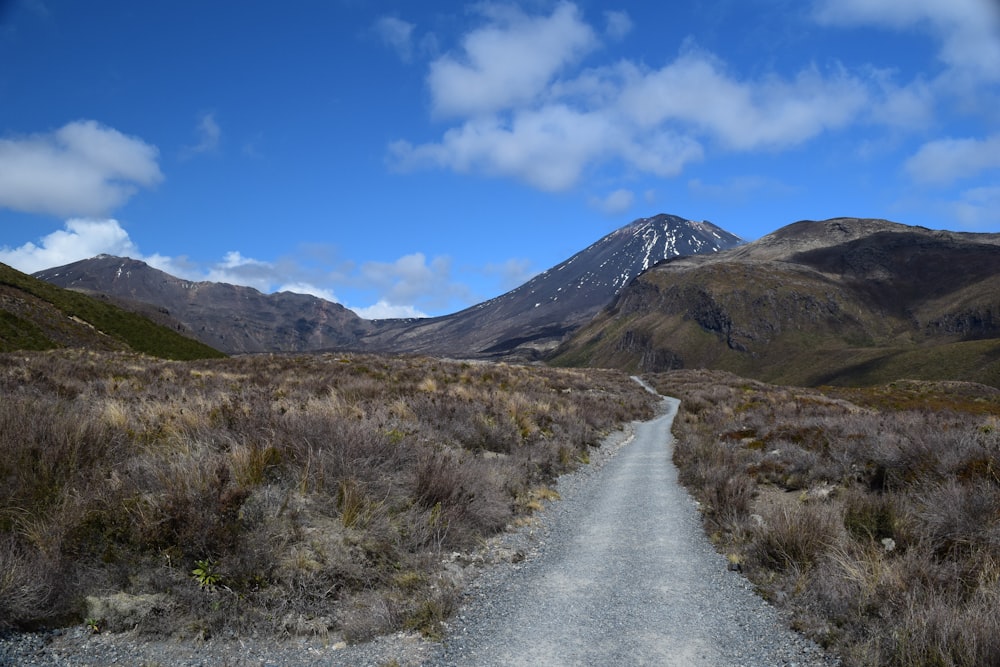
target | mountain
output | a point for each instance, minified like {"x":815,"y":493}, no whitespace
{"x":524,"y":322}
{"x":531,"y":319}
{"x":840,"y":301}
{"x":228,"y":317}
{"x":35,"y":315}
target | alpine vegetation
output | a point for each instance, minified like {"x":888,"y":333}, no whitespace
{"x":285,"y":495}
{"x":871,"y":515}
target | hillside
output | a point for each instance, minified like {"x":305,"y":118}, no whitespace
{"x":35,"y":315}
{"x":231,"y":318}
{"x":842,"y":301}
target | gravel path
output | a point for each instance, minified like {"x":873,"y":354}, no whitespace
{"x":617,"y":572}
{"x":625,"y":577}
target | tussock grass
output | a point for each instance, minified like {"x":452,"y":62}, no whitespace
{"x":871,"y":515}
{"x":279,"y":494}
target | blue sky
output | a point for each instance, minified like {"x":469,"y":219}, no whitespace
{"x":408,"y":158}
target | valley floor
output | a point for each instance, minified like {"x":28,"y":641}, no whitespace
{"x":618,"y":571}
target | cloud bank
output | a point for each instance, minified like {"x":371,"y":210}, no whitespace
{"x":521,"y":105}
{"x":521,"y":98}
{"x":82,"y":169}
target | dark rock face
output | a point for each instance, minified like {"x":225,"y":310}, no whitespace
{"x":524,"y":323}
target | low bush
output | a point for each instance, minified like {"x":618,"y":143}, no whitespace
{"x":276,"y":494}
{"x":872,"y":518}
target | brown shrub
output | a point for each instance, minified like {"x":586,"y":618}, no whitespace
{"x":895,"y":562}
{"x":305,"y":484}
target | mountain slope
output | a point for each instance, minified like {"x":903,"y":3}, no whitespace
{"x":839,"y":301}
{"x":35,"y":315}
{"x":525,"y":321}
{"x":534,"y":317}
{"x":228,"y":317}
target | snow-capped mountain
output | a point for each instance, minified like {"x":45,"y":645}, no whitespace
{"x":533,"y":318}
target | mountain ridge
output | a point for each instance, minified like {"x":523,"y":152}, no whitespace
{"x":525,"y":322}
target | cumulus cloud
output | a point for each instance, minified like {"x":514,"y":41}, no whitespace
{"x":79,"y":239}
{"x":413,"y":279}
{"x":308,"y":288}
{"x":968,"y":30}
{"x":508,"y":62}
{"x":947,"y":160}
{"x":82,"y":169}
{"x":549,"y":148}
{"x":397,"y":34}
{"x":743,"y":115}
{"x":383,"y":310}
{"x":522,"y":108}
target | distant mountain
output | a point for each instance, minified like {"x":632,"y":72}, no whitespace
{"x":526,"y":321}
{"x":845,"y":300}
{"x":227,"y":317}
{"x":531,"y":319}
{"x":36,"y":315}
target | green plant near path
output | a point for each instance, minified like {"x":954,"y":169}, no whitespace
{"x":205,"y":574}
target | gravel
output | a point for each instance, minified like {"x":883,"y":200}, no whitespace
{"x":618,"y":571}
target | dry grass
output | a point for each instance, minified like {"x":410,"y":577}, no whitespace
{"x":871,"y":515}
{"x":282,"y":494}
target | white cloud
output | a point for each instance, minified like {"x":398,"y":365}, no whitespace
{"x":902,"y":107}
{"x":976,"y":208}
{"x":615,"y":203}
{"x":549,"y":148}
{"x":523,"y":110}
{"x":397,"y":34}
{"x":695,"y":91}
{"x":209,"y":133}
{"x":618,"y":24}
{"x":239,"y":270}
{"x":307,"y":288}
{"x":81,"y":169}
{"x":946,"y":160}
{"x":968,"y":30}
{"x":80,"y":239}
{"x":508,"y":62}
{"x":413,"y":279}
{"x":384,"y":310}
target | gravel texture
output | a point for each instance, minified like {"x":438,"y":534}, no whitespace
{"x":616,"y":572}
